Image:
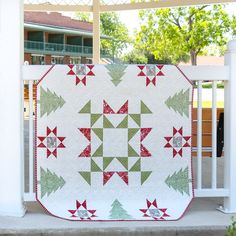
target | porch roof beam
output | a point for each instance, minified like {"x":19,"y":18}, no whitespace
{"x":121,"y":7}
{"x":159,"y":4}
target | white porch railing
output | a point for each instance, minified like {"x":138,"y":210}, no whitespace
{"x":195,"y":73}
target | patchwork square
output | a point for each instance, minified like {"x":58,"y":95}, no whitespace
{"x":154,"y":212}
{"x":115,"y":142}
{"x":82,"y":213}
{"x":51,"y":142}
{"x":177,"y":141}
{"x":80,"y":69}
{"x":151,"y":70}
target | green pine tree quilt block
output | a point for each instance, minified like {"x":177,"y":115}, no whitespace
{"x":113,"y":142}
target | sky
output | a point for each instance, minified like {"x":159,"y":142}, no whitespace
{"x":130,"y":19}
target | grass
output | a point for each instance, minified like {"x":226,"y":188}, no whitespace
{"x":208,"y":104}
{"x":207,"y":85}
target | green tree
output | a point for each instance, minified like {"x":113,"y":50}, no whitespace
{"x":135,"y":57}
{"x":83,"y":16}
{"x":112,"y":27}
{"x":141,"y":56}
{"x":179,"y":33}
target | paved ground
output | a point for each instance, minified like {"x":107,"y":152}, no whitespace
{"x":201,"y":218}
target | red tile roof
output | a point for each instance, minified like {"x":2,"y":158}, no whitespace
{"x":56,"y":19}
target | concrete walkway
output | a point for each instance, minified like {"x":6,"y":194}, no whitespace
{"x":201,"y":219}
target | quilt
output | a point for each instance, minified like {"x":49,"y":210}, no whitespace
{"x":113,"y":142}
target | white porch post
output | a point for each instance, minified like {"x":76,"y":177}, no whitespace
{"x":230,"y":130}
{"x":96,"y":31}
{"x":11,"y":108}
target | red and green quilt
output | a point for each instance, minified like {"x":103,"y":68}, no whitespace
{"x":113,"y":142}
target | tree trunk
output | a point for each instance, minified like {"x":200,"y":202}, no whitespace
{"x":193,"y":57}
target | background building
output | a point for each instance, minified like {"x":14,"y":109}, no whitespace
{"x":51,"y":38}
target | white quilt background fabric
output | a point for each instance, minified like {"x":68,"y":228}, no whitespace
{"x":113,"y":142}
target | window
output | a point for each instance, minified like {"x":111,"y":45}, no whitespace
{"x":75,"y":60}
{"x":37,"y":59}
{"x":89,"y":61}
{"x":57,"y":60}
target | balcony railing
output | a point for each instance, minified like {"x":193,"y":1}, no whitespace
{"x":61,"y":48}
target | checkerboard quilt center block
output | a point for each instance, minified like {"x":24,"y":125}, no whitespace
{"x":113,"y":142}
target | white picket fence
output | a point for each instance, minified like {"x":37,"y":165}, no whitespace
{"x":225,"y":73}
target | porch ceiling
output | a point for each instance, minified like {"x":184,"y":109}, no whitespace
{"x":110,"y":5}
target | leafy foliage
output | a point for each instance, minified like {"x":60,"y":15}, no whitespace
{"x":135,"y":57}
{"x":83,"y":16}
{"x":140,"y":56}
{"x":179,"y":33}
{"x":207,"y":85}
{"x":231,"y":230}
{"x":112,"y":27}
